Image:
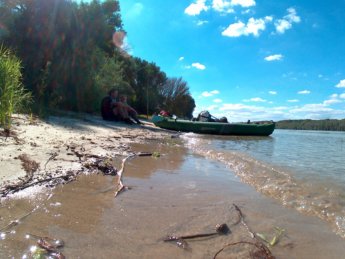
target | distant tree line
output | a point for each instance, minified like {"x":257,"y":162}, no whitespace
{"x":70,"y":58}
{"x":329,"y":124}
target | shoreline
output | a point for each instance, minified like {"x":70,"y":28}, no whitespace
{"x":177,"y":190}
{"x":61,"y":145}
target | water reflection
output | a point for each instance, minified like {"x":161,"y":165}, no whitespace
{"x":171,"y":158}
{"x":77,"y":209}
{"x":193,"y":199}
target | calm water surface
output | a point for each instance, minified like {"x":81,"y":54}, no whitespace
{"x":183,"y":193}
{"x":303,"y":169}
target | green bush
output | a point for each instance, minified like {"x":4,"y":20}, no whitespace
{"x":13,"y":96}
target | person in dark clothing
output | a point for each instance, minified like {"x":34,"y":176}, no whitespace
{"x":113,"y":110}
{"x":108,"y":106}
{"x":131,"y":112}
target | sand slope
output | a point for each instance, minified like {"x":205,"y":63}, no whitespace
{"x":59,"y":143}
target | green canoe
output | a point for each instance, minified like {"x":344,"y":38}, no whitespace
{"x":217,"y":128}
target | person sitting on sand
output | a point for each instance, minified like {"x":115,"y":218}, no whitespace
{"x":112,"y":110}
{"x":132,"y":113}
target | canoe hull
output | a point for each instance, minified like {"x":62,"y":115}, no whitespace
{"x":216,"y":128}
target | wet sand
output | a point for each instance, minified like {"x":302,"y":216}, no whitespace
{"x":176,"y":194}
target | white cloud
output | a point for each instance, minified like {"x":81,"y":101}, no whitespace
{"x":199,"y":66}
{"x":272,"y":92}
{"x":293,"y":101}
{"x":222,"y":6}
{"x":217,"y":100}
{"x":282,"y":25}
{"x":292,"y":16}
{"x":315,"y":111}
{"x":260,"y":111}
{"x":246,"y":11}
{"x":333,"y":99}
{"x":341,"y":84}
{"x":235,"y":30}
{"x":196,"y":8}
{"x":242,"y":112}
{"x":238,"y":107}
{"x":243,"y":3}
{"x":253,"y":26}
{"x":211,"y":93}
{"x":342,"y":96}
{"x":274,"y":57}
{"x":227,"y":6}
{"x":200,"y":22}
{"x":180,"y":58}
{"x":255,"y":99}
{"x":311,"y":108}
{"x":304,"y":92}
{"x":286,"y":23}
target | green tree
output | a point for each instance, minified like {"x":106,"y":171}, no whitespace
{"x":176,"y":97}
{"x":149,"y":79}
{"x":57,"y":41}
{"x":71,"y":55}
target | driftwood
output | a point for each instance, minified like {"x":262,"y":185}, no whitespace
{"x":120,"y":186}
{"x":30,"y":166}
{"x":52,"y":156}
{"x":13,"y":188}
{"x":241,"y":220}
{"x":221,"y":229}
{"x":262,"y":250}
{"x":14,"y":223}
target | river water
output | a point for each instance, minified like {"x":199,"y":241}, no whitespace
{"x":190,"y":189}
{"x":304,"y":170}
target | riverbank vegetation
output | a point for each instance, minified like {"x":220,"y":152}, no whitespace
{"x":13,"y":96}
{"x":331,"y":125}
{"x":72,"y":53}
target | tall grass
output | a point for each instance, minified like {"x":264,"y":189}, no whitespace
{"x":13,"y":96}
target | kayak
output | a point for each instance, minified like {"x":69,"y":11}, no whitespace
{"x":216,"y":128}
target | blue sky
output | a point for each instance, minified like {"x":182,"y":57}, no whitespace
{"x":247,"y":59}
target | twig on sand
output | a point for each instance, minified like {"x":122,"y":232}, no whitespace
{"x":52,"y":156}
{"x":262,"y":252}
{"x":221,"y":229}
{"x":120,"y":185}
{"x":13,"y":188}
{"x":241,"y":219}
{"x":14,"y":223}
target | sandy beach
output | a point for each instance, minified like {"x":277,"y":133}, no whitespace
{"x":177,"y":193}
{"x":60,"y":144}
